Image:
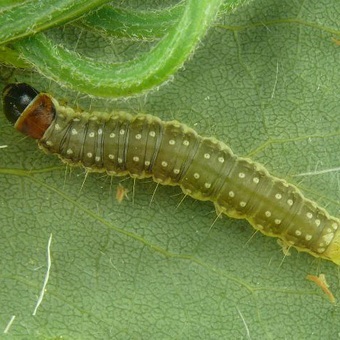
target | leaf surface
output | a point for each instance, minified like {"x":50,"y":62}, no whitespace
{"x":264,"y":80}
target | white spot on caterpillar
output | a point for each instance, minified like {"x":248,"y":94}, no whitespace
{"x":277,"y":221}
{"x":268,"y":213}
{"x":290,"y":202}
{"x":74,"y":132}
{"x":298,"y":232}
{"x":186,"y":142}
{"x":206,"y":155}
{"x":328,"y":238}
{"x":138,"y":136}
{"x":317,"y":222}
{"x":243,"y":204}
{"x":256,"y":180}
{"x":57,"y":127}
{"x":278,"y":196}
{"x":120,"y":161}
{"x":176,"y":171}
{"x":221,"y":159}
{"x":152,"y":133}
{"x":97,"y":158}
{"x":320,"y":250}
{"x":122,"y":132}
{"x":172,"y":142}
{"x":309,"y":215}
{"x":111,"y":156}
{"x":308,"y":237}
{"x":196,"y":175}
{"x":335,"y":226}
{"x":100,"y":131}
{"x":69,"y":151}
{"x":164,"y":164}
{"x":136,"y":158}
{"x":112,"y":135}
{"x":89,"y":155}
{"x":231,"y":194}
{"x":147,"y":163}
{"x":91,"y":134}
{"x":241,"y":175}
{"x":207,"y":185}
{"x":49,"y":143}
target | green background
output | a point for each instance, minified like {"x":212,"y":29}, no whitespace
{"x":265,"y":80}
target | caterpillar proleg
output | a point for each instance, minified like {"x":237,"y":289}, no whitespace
{"x":173,"y":154}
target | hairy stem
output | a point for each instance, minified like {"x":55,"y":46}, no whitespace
{"x":21,"y":19}
{"x":133,"y":24}
{"x":130,"y":77}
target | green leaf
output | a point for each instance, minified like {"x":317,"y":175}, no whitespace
{"x":265,"y":81}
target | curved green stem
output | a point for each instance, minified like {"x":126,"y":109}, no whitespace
{"x":21,"y":19}
{"x":143,"y":25}
{"x":130,"y":23}
{"x":230,"y":5}
{"x":131,"y":77}
{"x":11,"y":58}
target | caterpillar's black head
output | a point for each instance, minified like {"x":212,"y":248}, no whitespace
{"x":31,"y":112}
{"x":16,"y":98}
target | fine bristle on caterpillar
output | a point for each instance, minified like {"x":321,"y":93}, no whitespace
{"x":173,"y":154}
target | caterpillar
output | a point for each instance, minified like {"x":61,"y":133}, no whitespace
{"x":173,"y":154}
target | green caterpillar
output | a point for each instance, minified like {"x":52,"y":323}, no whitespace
{"x":173,"y":154}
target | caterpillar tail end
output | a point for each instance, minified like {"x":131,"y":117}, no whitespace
{"x":333,"y":251}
